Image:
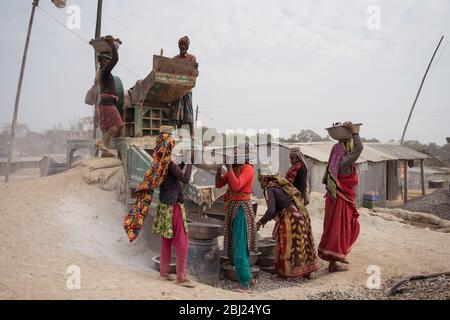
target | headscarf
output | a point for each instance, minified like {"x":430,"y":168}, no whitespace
{"x":293,"y":170}
{"x":268,"y":181}
{"x":162,"y":156}
{"x":184,"y":40}
{"x":331,"y":174}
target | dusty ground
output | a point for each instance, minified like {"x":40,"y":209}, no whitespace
{"x":51,"y":223}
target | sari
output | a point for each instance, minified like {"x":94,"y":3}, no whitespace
{"x":239,"y":227}
{"x":341,"y":226}
{"x":295,"y":254}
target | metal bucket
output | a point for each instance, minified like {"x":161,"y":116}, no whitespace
{"x":203,"y":260}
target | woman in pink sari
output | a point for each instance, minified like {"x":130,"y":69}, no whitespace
{"x":341,"y":226}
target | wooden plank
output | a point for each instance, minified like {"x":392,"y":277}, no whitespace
{"x":422,"y":177}
{"x":138,"y":122}
{"x":405,"y":181}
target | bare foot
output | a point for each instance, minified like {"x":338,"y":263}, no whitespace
{"x":101,"y":145}
{"x":253,"y":282}
{"x":167,"y":277}
{"x":242,"y":290}
{"x":107,"y":154}
{"x":186,"y":283}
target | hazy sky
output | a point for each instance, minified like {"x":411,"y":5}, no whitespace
{"x":286,"y":64}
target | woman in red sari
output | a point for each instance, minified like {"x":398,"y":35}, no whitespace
{"x":341,"y":226}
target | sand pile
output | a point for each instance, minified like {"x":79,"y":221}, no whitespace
{"x":437,"y":203}
{"x":106,"y":173}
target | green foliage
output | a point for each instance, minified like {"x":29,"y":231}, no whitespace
{"x":305,"y":136}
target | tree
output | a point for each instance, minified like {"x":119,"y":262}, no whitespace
{"x":372,"y":140}
{"x":305,"y":136}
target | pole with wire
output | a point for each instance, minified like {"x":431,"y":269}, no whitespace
{"x":19,"y":90}
{"x":98,"y":29}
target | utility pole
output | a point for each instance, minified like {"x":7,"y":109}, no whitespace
{"x":420,"y":89}
{"x":98,"y":29}
{"x":19,"y":89}
{"x":196,"y":115}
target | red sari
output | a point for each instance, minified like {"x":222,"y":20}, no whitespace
{"x":340,"y":226}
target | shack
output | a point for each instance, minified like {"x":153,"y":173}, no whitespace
{"x":381,"y":168}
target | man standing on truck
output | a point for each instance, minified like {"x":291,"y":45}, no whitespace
{"x":110,"y":120}
{"x":182,"y":110}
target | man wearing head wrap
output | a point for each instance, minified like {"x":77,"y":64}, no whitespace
{"x":182,"y":110}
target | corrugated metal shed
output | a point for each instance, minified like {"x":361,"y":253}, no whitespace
{"x":398,"y":151}
{"x":372,"y":152}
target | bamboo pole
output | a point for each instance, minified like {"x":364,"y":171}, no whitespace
{"x":405,"y":181}
{"x":98,"y":28}
{"x":19,"y":90}
{"x":422,"y":177}
{"x":420,"y":89}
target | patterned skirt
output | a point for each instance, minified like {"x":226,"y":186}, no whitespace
{"x":295,"y":254}
{"x":231,"y":211}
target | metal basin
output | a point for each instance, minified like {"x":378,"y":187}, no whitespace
{"x":341,"y":133}
{"x":266,"y":261}
{"x":203,"y":231}
{"x":172,"y":266}
{"x":265,"y":246}
{"x":230,"y":272}
{"x":252,"y":260}
{"x":269,"y":269}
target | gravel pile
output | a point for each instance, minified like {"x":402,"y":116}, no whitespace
{"x":266,"y":282}
{"x":437,"y":203}
{"x":430,"y":289}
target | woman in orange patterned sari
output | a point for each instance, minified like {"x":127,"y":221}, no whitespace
{"x":295,"y":254}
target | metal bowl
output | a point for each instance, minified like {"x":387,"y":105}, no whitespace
{"x":266,"y":261}
{"x":223,"y":257}
{"x":203,"y":231}
{"x":265,"y":246}
{"x":172,"y":266}
{"x":252,"y":260}
{"x":230,"y":271}
{"x":269,"y":269}
{"x":341,"y":133}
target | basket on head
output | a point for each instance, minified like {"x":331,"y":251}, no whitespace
{"x":339,"y":132}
